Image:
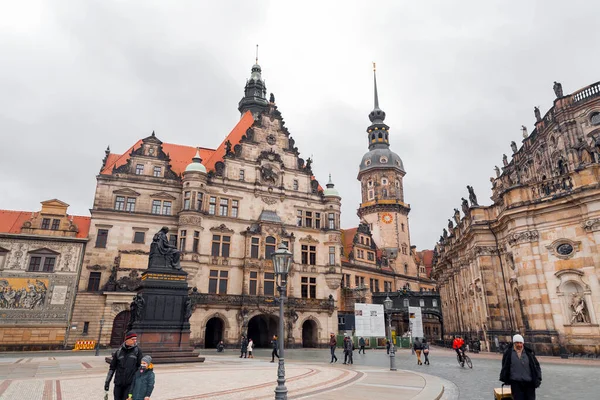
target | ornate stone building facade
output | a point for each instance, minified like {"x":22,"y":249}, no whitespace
{"x":378,"y":256}
{"x":227,"y":210}
{"x":529,"y":262}
{"x":40,"y":260}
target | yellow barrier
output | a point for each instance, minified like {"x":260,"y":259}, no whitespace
{"x":85,"y":345}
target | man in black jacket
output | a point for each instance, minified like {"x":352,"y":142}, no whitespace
{"x":521,"y":369}
{"x":125,"y":362}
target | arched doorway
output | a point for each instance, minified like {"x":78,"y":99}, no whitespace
{"x":261,"y":329}
{"x":214,"y":333}
{"x":309,"y":333}
{"x":119,"y":328}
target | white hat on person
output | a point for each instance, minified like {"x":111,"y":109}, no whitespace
{"x":518,"y":339}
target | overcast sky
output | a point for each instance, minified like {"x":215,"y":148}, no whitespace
{"x":457,"y":80}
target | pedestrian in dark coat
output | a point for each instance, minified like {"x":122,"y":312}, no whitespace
{"x":143,"y":383}
{"x":521,"y":370}
{"x":332,"y":346}
{"x":348,"y":348}
{"x":418,"y":347}
{"x":123,"y":366}
{"x":274,"y":353}
{"x":220,"y":347}
{"x":388,"y":345}
{"x":244,"y":347}
{"x":361,"y":343}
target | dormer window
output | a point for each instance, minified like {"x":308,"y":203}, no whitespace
{"x":139,"y":169}
{"x":157,"y":171}
{"x":384,"y":181}
{"x":398,"y":162}
{"x":383,"y":160}
{"x":367,"y":163}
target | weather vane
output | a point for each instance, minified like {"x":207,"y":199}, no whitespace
{"x":374,"y":69}
{"x":256,"y":54}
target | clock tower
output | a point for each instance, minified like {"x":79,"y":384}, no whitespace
{"x":381,"y":172}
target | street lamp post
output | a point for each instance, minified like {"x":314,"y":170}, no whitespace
{"x":99,"y":335}
{"x":282,"y":260}
{"x":387,"y":304}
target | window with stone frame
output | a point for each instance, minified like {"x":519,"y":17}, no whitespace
{"x":296,"y":184}
{"x":331,"y":221}
{"x":405,"y":269}
{"x":299,"y":218}
{"x":234,"y":208}
{"x":3,"y":257}
{"x":309,"y":255}
{"x":196,"y":243}
{"x":223,"y":207}
{"x":346,"y":280}
{"x":371,"y":285}
{"x":55,"y":224}
{"x":182,"y":239}
{"x":270,"y":246}
{"x":139,"y":237}
{"x":242,"y":175}
{"x":45,"y":223}
{"x":166,"y":207}
{"x":331,"y":255}
{"x":199,"y":198}
{"x":157,"y":171}
{"x":130,"y":205}
{"x":308,"y":219}
{"x":387,"y":286}
{"x":187,"y":199}
{"x":101,"y":238}
{"x":173,"y":240}
{"x":217,"y":281}
{"x":156,"y":204}
{"x":42,"y":261}
{"x":376,"y":285}
{"x":308,"y":287}
{"x":139,"y":169}
{"x":220,"y":246}
{"x":370,"y":256}
{"x":404,"y":249}
{"x":253,"y":283}
{"x":212,"y":205}
{"x":254,"y":247}
{"x":317,"y":220}
{"x":269,"y":284}
{"x":94,"y":281}
{"x":371,"y":195}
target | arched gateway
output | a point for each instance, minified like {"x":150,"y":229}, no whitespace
{"x":119,"y":328}
{"x":213,"y":333}
{"x":261,"y":329}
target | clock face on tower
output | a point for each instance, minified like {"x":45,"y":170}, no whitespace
{"x":387,"y":218}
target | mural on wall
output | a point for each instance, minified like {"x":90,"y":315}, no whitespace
{"x":23,"y":293}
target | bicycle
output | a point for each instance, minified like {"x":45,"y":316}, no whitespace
{"x":463,"y":358}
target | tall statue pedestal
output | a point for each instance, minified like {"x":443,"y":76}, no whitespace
{"x":163,"y":329}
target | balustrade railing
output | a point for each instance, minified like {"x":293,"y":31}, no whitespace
{"x":263,"y":301}
{"x":586,"y":93}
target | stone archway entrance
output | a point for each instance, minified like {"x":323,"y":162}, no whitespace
{"x":261,"y":329}
{"x":213,"y":333}
{"x":119,"y":328}
{"x":309,"y":333}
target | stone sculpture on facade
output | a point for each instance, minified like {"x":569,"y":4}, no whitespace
{"x":505,"y":160}
{"x":272,"y":98}
{"x":558,"y":91}
{"x":227,"y":148}
{"x":538,"y":115}
{"x":497,"y":169}
{"x":162,"y":253}
{"x":450,"y":225}
{"x":465,"y":206}
{"x":524,"y":132}
{"x":579,"y":309}
{"x":472,"y":196}
{"x":456,"y":216}
{"x":513,"y":146}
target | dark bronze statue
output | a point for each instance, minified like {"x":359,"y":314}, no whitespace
{"x":162,"y":253}
{"x":227,"y":148}
{"x":450,"y":225}
{"x":465,"y":206}
{"x":136,"y":307}
{"x":308,"y":163}
{"x":272,"y":98}
{"x":188,"y":310}
{"x":558,"y":90}
{"x":538,"y":115}
{"x":472,"y":197}
{"x":456,"y":216}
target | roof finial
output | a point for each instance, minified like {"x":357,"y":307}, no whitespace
{"x":375,"y":84}
{"x":256,"y":54}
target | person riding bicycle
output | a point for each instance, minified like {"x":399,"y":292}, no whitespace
{"x":458,"y":346}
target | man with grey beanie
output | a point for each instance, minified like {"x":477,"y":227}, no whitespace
{"x":521,"y":370}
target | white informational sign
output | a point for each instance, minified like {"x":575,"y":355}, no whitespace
{"x":59,"y":295}
{"x":369,"y":320}
{"x":416,"y":322}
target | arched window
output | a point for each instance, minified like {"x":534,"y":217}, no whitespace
{"x":595,"y":120}
{"x":380,"y":135}
{"x":384,"y":193}
{"x":269,"y":247}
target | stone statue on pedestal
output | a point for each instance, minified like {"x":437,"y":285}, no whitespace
{"x":162,"y":253}
{"x":579,"y":308}
{"x":558,"y":91}
{"x":456,"y":216}
{"x":472,"y":197}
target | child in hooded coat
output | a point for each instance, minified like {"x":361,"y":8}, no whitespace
{"x":143,"y":383}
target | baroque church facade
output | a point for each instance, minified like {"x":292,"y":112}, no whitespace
{"x":227,"y":210}
{"x":528,"y":263}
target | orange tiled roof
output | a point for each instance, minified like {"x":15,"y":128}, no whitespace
{"x":181,"y":155}
{"x":12,"y":221}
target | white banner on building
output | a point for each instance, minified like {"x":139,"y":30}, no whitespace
{"x":416,"y":322}
{"x":369,"y":320}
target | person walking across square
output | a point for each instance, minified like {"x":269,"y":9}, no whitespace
{"x":332,"y":346}
{"x":250,"y":348}
{"x":274,"y":353}
{"x":143,"y":383}
{"x":426,"y":351}
{"x":123,"y":366}
{"x":361,"y":343}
